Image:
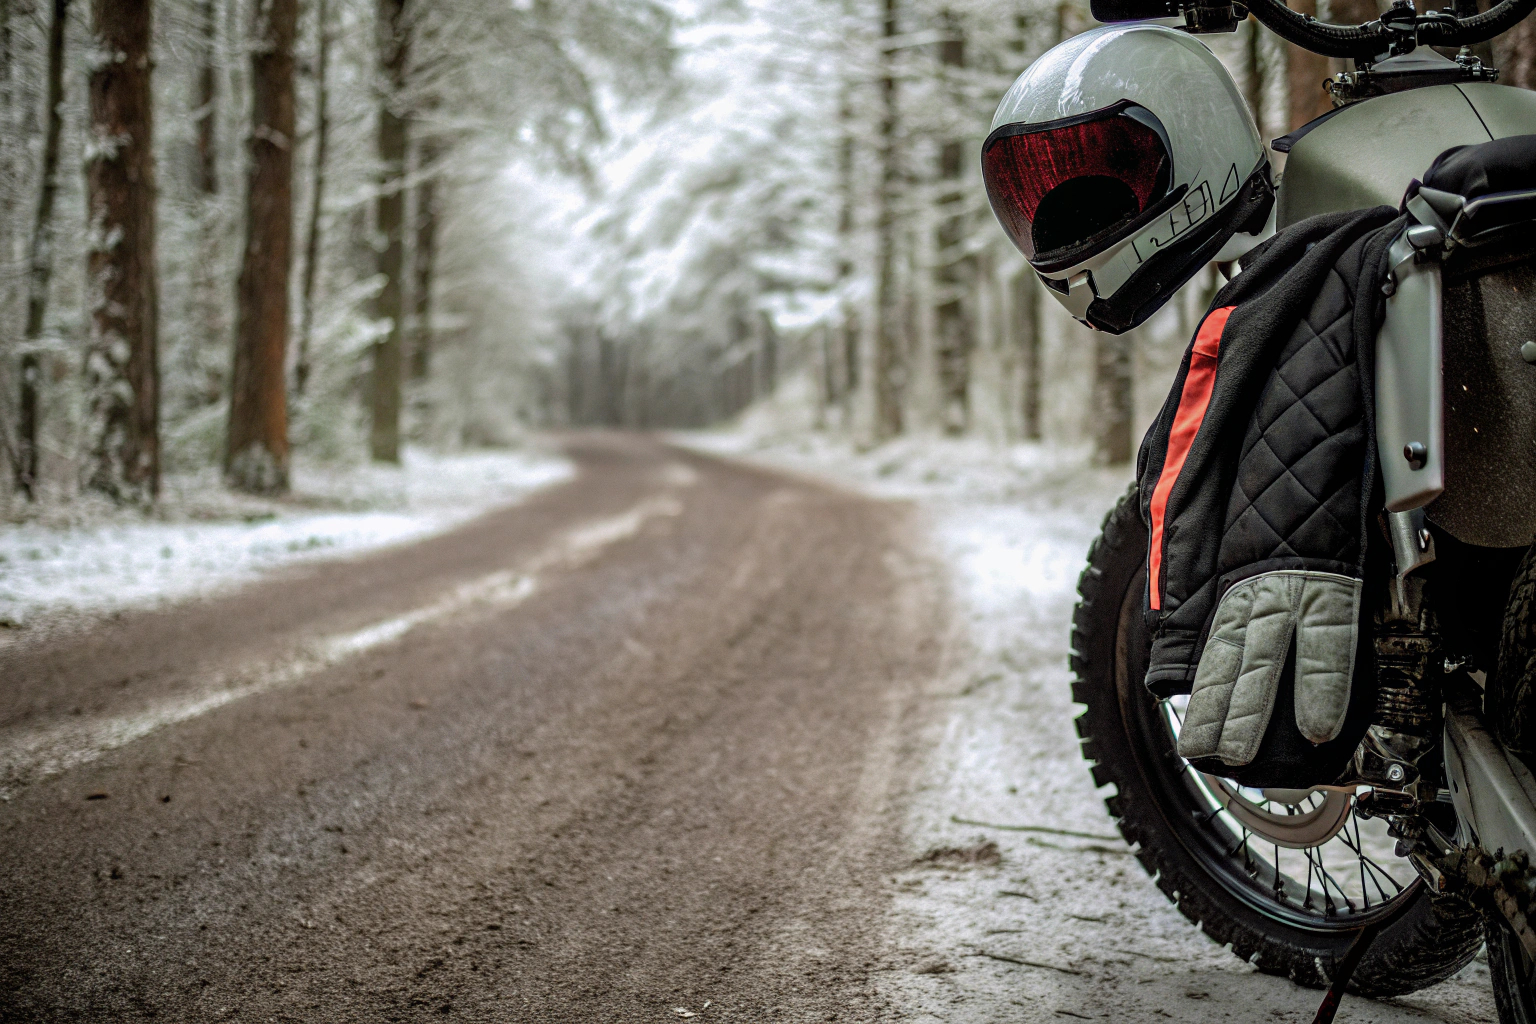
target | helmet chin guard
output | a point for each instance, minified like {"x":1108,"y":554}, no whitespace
{"x":1121,"y":162}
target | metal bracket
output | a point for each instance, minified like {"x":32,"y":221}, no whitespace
{"x":1413,"y":547}
{"x":1409,"y":399}
{"x":1412,"y":543}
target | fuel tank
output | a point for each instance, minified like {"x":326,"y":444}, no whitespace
{"x":1365,"y":154}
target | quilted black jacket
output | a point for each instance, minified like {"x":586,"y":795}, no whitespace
{"x":1263,"y":458}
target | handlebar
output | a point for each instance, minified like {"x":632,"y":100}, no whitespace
{"x":1397,"y":29}
{"x":1492,"y":22}
{"x":1318,"y":36}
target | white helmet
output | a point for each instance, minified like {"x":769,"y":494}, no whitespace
{"x":1120,"y":163}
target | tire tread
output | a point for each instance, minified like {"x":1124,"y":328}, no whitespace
{"x":1432,"y":941}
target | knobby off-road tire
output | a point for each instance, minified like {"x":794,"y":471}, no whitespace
{"x":1511,"y":694}
{"x":1514,"y":977}
{"x":1125,"y":738}
{"x":1512,"y":707}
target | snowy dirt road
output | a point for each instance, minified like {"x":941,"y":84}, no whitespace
{"x":1101,"y":941}
{"x":678,"y":739}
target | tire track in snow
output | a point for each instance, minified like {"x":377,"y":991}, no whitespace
{"x":31,"y":755}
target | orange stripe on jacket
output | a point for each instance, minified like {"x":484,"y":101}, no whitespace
{"x":1193,"y":401}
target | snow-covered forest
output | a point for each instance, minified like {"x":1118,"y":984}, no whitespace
{"x":236,"y":232}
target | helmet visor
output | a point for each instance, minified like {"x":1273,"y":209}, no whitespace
{"x":1064,"y":187}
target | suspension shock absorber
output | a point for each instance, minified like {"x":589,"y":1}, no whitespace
{"x":1406,"y":718}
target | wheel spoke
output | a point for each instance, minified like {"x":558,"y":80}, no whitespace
{"x":1308,"y":901}
{"x":1377,"y":872}
{"x":1309,"y":825}
{"x":1339,"y":888}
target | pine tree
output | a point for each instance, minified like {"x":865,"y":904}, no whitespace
{"x":393,"y":35}
{"x":843,"y":360}
{"x":122,"y":372}
{"x":889,"y":356}
{"x":40,"y":259}
{"x":955,"y":272}
{"x":8,"y":185}
{"x":424,"y":255}
{"x":301,"y":368}
{"x":256,"y":452}
{"x":207,"y":111}
{"x":1023,"y":306}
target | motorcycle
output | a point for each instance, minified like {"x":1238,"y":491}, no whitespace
{"x":1390,"y":878}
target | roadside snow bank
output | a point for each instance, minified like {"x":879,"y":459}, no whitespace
{"x":966,"y":469}
{"x":201,"y":538}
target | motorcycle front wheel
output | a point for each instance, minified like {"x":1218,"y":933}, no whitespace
{"x":1288,"y":878}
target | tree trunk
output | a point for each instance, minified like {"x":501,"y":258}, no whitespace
{"x":767,"y":356}
{"x":122,"y":292}
{"x":1253,"y":84}
{"x":256,"y":455}
{"x":207,"y":103}
{"x":301,"y":367}
{"x":1111,"y":406}
{"x":1351,"y":12}
{"x":890,"y":368}
{"x":852,"y":353}
{"x":955,"y":275}
{"x":843,"y":359}
{"x":208,"y":289}
{"x":1112,"y":399}
{"x":1026,"y":332}
{"x":843,"y":362}
{"x":1026,"y":309}
{"x":7,"y":225}
{"x":40,"y":257}
{"x":424,"y":258}
{"x":1305,"y":72}
{"x":389,"y":226}
{"x":1515,"y":55}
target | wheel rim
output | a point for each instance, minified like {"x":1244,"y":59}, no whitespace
{"x":1300,"y":857}
{"x":1311,"y":818}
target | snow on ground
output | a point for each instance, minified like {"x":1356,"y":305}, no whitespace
{"x":202,"y":539}
{"x":1013,"y":526}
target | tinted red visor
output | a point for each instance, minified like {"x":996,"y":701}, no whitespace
{"x":1056,"y":190}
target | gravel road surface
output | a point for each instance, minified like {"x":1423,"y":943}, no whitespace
{"x":622,"y":750}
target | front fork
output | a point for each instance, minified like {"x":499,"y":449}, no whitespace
{"x":1396,"y":755}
